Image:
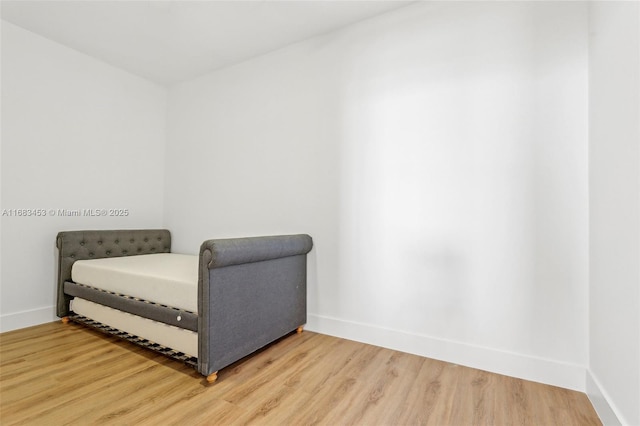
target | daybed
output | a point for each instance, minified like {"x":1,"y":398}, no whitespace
{"x":249,"y":292}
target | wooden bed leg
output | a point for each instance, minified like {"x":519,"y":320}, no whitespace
{"x":65,"y":320}
{"x":299,"y":329}
{"x":212,"y":377}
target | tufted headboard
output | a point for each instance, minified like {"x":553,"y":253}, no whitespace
{"x":81,"y":245}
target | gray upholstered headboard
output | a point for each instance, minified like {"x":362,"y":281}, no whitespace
{"x":97,"y":244}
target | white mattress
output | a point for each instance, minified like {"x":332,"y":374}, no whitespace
{"x":167,"y":278}
{"x":182,"y":340}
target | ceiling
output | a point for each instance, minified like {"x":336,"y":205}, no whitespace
{"x":176,"y":40}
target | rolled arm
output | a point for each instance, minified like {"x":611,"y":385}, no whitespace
{"x":251,"y":291}
{"x":236,"y":251}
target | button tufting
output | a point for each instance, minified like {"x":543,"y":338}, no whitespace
{"x":124,"y":252}
{"x":146,"y":239}
{"x":108,"y":252}
{"x":90,"y":254}
{"x":131,"y":240}
{"x":153,"y":249}
{"x":73,"y":256}
{"x":81,"y":243}
{"x":117,"y":241}
{"x":99,"y":243}
{"x":139,"y":249}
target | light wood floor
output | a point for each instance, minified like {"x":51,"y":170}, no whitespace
{"x":57,"y":374}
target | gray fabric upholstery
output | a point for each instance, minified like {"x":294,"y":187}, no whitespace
{"x":97,"y":244}
{"x":251,"y":291}
{"x":235,"y":251}
{"x":153,"y":311}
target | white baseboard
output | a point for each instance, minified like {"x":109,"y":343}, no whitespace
{"x":600,"y":400}
{"x":16,"y":320}
{"x":556,"y":373}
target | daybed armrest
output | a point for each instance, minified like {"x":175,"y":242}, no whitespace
{"x":236,"y":251}
{"x":96,"y":244}
{"x":251,"y":291}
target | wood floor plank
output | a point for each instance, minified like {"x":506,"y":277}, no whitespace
{"x":380,"y":392}
{"x":57,"y":374}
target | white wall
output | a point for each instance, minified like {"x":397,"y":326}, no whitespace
{"x":614,"y":174}
{"x":76,"y":134}
{"x":438,"y":157}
